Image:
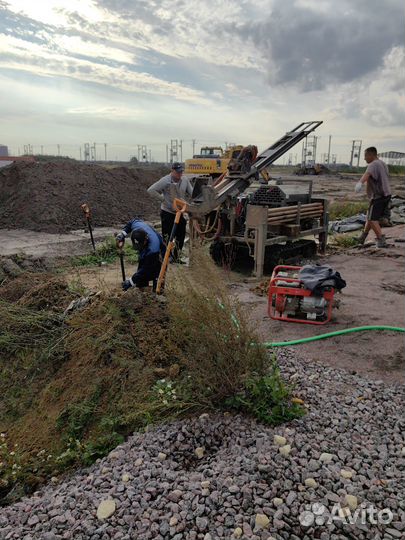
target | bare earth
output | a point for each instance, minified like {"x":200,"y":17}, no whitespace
{"x":374,"y":294}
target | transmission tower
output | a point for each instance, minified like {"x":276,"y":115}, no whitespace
{"x":309,"y":150}
{"x":355,"y":153}
{"x":86,"y":151}
{"x":174,"y":150}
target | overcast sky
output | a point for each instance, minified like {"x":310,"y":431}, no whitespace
{"x":131,"y":72}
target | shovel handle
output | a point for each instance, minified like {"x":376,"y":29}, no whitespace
{"x":122,"y":264}
{"x":180,"y":207}
{"x":86,"y":209}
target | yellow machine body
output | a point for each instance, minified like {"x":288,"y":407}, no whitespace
{"x":212,"y":160}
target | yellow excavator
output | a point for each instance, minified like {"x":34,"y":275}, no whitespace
{"x":212,"y":160}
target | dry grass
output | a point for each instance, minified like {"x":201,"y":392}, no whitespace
{"x":212,"y":331}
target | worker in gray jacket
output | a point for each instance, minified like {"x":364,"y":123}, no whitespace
{"x":166,"y":190}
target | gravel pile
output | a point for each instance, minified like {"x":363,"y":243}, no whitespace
{"x":226,"y":476}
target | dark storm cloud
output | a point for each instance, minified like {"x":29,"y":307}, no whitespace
{"x":312,"y":48}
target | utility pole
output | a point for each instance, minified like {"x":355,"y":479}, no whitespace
{"x":80,"y":152}
{"x":194,"y":141}
{"x":330,"y":139}
{"x":167,"y":153}
{"x":105,"y":151}
{"x":181,"y":150}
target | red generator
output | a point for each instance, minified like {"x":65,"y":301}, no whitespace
{"x":290,"y":301}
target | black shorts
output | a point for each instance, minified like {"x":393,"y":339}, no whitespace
{"x":377,"y":208}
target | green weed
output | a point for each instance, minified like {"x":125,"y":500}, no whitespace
{"x":342,"y":209}
{"x":76,"y":418}
{"x":267,"y":398}
{"x":345,"y":241}
{"x":106,"y":253}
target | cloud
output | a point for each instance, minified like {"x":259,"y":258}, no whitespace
{"x":378,"y":100}
{"x":252,"y":68}
{"x":40,"y":60}
{"x":311,"y":45}
{"x":125,"y":114}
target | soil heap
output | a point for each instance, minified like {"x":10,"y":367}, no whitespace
{"x":46,"y":196}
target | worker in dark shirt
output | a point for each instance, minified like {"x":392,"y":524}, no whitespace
{"x":150,"y":247}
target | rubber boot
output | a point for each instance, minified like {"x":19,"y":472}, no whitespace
{"x":362,"y":238}
{"x":382,"y":242}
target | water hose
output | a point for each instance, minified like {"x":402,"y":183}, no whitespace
{"x":268,"y":344}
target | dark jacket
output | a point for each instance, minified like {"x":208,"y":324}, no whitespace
{"x":150,"y":258}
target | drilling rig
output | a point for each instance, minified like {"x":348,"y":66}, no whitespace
{"x":270,"y":220}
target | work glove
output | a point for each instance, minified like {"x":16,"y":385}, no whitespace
{"x":126,"y":285}
{"x":358,"y":187}
{"x":120,"y":240}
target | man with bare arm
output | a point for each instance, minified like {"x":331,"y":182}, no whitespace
{"x":378,"y":191}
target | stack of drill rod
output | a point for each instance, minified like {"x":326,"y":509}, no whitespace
{"x":292,"y":214}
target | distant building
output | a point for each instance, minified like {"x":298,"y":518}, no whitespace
{"x":393,"y":158}
{"x":3,"y":150}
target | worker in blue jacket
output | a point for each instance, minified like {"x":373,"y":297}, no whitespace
{"x":150,"y":247}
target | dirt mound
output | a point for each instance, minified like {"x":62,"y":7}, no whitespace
{"x":47,"y":196}
{"x":14,"y":290}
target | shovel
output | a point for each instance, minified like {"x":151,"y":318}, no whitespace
{"x":121,"y":253}
{"x":180,"y":207}
{"x":86,"y":210}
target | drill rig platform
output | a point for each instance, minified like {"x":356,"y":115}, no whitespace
{"x":239,"y":211}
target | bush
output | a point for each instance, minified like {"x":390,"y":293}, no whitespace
{"x":224,"y":361}
{"x":267,"y":398}
{"x":208,"y":325}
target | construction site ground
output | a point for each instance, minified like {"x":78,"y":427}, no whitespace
{"x":374,"y":294}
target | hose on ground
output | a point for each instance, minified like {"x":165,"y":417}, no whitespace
{"x":268,"y":344}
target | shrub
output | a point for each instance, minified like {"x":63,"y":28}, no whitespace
{"x":267,"y":398}
{"x":210,"y":328}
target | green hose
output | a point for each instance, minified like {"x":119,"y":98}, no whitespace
{"x":268,"y":344}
